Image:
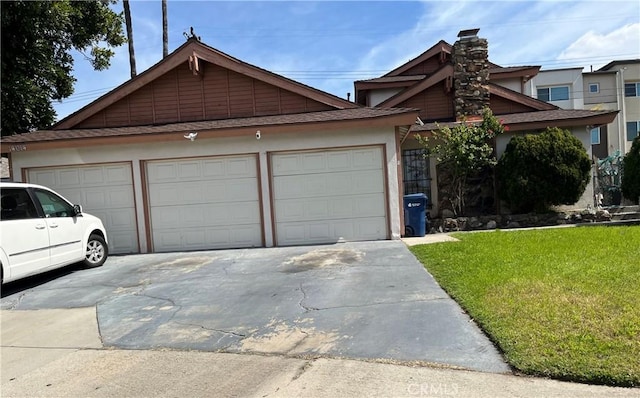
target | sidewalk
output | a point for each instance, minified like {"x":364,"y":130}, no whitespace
{"x":62,"y":356}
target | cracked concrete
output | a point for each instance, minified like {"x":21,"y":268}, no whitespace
{"x":365,"y":300}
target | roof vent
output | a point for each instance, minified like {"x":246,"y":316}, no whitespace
{"x":468,"y":34}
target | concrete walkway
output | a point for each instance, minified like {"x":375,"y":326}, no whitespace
{"x":57,"y":353}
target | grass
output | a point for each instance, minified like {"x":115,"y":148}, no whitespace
{"x":560,"y":303}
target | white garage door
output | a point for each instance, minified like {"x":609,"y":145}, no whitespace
{"x":329,"y":196}
{"x":106,"y":191}
{"x":209,"y":203}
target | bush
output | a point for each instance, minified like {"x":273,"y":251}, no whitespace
{"x":631,"y":172}
{"x":537,"y":171}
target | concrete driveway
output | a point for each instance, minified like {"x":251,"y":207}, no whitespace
{"x":365,"y":300}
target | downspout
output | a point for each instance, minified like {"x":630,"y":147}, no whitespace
{"x":623,"y":120}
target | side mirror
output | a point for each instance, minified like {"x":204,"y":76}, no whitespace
{"x":77,"y":210}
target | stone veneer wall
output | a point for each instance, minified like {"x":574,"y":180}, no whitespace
{"x":471,"y":76}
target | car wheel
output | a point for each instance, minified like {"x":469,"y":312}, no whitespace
{"x":97,"y":252}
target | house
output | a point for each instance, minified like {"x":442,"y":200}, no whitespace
{"x":451,"y":82}
{"x":205,"y":151}
{"x":615,"y":86}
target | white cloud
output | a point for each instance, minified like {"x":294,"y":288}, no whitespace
{"x":622,"y":43}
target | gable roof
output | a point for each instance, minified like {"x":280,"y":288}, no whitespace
{"x":440,"y":48}
{"x":194,"y":51}
{"x":446,"y":72}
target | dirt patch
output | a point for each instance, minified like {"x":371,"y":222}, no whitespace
{"x":322,"y":258}
{"x":185,"y":265}
{"x":287,"y":339}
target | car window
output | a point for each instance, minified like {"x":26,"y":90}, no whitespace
{"x":53,"y":205}
{"x":17,"y":204}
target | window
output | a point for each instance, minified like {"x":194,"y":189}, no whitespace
{"x":17,"y":205}
{"x":594,"y":88}
{"x":53,"y":205}
{"x":553,"y":93}
{"x":633,"y":129}
{"x":595,"y":136}
{"x":632,"y":89}
{"x":416,"y":172}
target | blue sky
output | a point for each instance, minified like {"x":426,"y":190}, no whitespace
{"x":329,"y":44}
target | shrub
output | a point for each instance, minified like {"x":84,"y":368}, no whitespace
{"x":631,"y":172}
{"x":537,"y":171}
{"x":463,"y":151}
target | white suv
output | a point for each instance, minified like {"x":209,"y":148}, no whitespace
{"x":40,"y":230}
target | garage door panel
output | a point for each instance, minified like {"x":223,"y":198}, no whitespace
{"x":301,"y":233}
{"x":211,"y":238}
{"x":105,"y":191}
{"x":198,"y":192}
{"x":204,"y":203}
{"x":205,"y":215}
{"x":328,"y":184}
{"x":199,"y":169}
{"x":322,"y":197}
{"x":330,"y":208}
{"x":328,"y":161}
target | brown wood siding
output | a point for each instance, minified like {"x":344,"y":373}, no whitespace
{"x":189,"y":94}
{"x":240,"y":95}
{"x":434,"y":103}
{"x":501,"y":106}
{"x":267,"y":99}
{"x":314,"y":106}
{"x":292,"y":103}
{"x":95,"y":121}
{"x":427,"y":67}
{"x":117,"y":114}
{"x":216,"y":92}
{"x":141,"y":106}
{"x":165,"y":98}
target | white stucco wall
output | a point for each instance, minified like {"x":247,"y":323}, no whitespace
{"x":224,"y":146}
{"x":378,"y":96}
{"x":560,"y":77}
{"x":514,"y":84}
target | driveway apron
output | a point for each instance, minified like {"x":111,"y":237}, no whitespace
{"x":362,"y":300}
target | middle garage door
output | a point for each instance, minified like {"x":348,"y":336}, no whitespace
{"x":329,"y":196}
{"x":204,"y":203}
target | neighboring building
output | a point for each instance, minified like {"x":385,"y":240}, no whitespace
{"x":204,"y":151}
{"x":449,"y":82}
{"x":615,"y":86}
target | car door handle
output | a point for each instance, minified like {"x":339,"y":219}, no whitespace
{"x":52,"y":225}
{"x":40,"y":226}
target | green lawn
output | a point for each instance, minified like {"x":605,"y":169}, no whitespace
{"x":562,"y":303}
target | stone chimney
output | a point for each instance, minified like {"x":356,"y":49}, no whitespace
{"x":470,"y":75}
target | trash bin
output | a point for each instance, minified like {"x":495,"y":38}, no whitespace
{"x":415,"y":214}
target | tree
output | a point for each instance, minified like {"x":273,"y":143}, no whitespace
{"x":463,"y":150}
{"x":132,"y":53}
{"x":537,"y":171}
{"x":631,"y":172}
{"x":165,"y":32}
{"x":37,"y":40}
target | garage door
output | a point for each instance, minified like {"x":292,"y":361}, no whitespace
{"x":329,"y":196}
{"x":106,"y":191}
{"x":204,"y":203}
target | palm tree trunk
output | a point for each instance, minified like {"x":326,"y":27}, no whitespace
{"x":127,"y":20}
{"x":165,"y":33}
